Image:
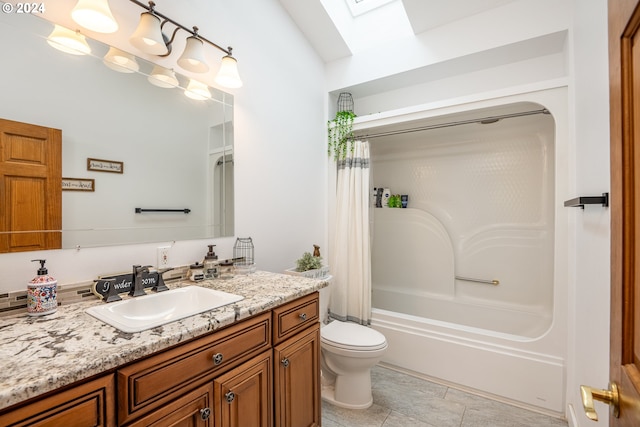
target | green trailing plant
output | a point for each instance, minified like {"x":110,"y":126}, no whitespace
{"x":340,"y":132}
{"x":308,"y":262}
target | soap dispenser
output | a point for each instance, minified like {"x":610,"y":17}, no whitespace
{"x":42,"y":292}
{"x":211,"y":264}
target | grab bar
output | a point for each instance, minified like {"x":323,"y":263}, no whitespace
{"x":468,"y":279}
{"x":140,"y":210}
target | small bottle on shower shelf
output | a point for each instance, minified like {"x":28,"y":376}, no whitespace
{"x":378,"y":197}
{"x":386,"y":194}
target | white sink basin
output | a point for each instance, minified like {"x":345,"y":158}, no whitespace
{"x":146,"y":312}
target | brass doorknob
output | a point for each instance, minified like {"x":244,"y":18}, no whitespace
{"x":610,"y":396}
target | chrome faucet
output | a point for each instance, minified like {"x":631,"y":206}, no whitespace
{"x":137,"y":287}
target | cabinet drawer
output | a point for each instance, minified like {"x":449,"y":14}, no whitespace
{"x":295,"y":316}
{"x":152,"y":381}
{"x":87,"y":405}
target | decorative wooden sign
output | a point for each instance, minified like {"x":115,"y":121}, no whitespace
{"x":123,"y":282}
{"x":100,"y":165}
{"x":78,"y":184}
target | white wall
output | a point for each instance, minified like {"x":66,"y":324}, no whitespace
{"x":589,"y":289}
{"x":447,"y":86}
{"x":280,"y":191}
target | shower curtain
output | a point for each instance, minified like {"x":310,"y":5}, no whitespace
{"x":350,"y":259}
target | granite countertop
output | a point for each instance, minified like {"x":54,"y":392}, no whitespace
{"x":40,"y":354}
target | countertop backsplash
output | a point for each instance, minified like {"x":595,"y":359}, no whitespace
{"x":15,"y":302}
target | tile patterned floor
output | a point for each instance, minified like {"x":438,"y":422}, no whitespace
{"x":401,"y":400}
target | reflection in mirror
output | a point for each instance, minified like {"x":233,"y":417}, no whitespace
{"x":175,"y":152}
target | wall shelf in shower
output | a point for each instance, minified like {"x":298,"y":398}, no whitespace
{"x":579,"y":202}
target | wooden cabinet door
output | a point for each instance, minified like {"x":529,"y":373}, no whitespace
{"x":88,"y":405}
{"x":297,"y":380}
{"x":194,"y":409}
{"x":30,"y":187}
{"x":243,"y":396}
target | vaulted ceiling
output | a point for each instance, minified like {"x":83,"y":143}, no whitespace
{"x":326,"y":23}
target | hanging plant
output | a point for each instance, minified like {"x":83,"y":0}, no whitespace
{"x":340,"y":132}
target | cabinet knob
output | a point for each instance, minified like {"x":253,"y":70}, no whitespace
{"x":230,"y":396}
{"x":285,"y":362}
{"x":303,"y":316}
{"x":205,"y":414}
{"x":217,"y":358}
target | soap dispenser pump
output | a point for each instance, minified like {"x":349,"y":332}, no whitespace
{"x":211,"y":264}
{"x":42,"y":292}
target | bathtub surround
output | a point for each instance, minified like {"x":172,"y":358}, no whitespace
{"x":487,"y":205}
{"x":483,"y":208}
{"x":351,"y":253}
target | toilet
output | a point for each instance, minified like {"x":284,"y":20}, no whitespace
{"x":348,"y":352}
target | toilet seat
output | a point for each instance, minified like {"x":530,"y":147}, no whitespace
{"x":351,"y":336}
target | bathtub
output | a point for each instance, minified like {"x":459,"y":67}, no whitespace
{"x":512,"y":323}
{"x":482,"y":206}
{"x":510,"y":368}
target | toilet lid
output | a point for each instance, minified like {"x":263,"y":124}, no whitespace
{"x":349,"y":335}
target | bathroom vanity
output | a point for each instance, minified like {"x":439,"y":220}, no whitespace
{"x":253,"y":363}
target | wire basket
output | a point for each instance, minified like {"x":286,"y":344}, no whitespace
{"x":243,"y":260}
{"x":345,"y":102}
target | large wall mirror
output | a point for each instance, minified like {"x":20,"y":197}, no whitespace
{"x":174,"y":152}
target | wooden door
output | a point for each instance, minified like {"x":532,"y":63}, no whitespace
{"x":297,"y":380}
{"x":624,"y":66}
{"x":243,"y":395}
{"x":30,"y":187}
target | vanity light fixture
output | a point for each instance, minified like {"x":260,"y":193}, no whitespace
{"x":68,"y":41}
{"x":163,"y":77}
{"x":120,"y":61}
{"x":192,"y":58}
{"x":148,"y":36}
{"x":95,"y":15}
{"x":197,"y":90}
{"x":150,"y":39}
{"x":228,"y":74}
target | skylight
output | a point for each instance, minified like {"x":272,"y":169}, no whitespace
{"x":359,"y":7}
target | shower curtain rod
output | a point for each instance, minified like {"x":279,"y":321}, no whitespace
{"x":485,"y":120}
